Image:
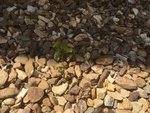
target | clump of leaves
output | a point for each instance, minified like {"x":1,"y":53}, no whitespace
{"x":63,"y":51}
{"x":60,"y":69}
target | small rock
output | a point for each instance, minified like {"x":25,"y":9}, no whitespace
{"x":40,"y":33}
{"x":82,"y":105}
{"x":35,"y":94}
{"x":91,"y":76}
{"x":43,"y":84}
{"x":17,"y":65}
{"x":58,"y":109}
{"x":21,"y":59}
{"x":59,"y":90}
{"x":140,"y":82}
{"x":147,"y":88}
{"x":90,"y":110}
{"x":145,"y":104}
{"x":22,"y":93}
{"x":111,"y":87}
{"x":143,"y":74}
{"x":41,"y":61}
{"x":115,"y":95}
{"x":84,"y":82}
{"x":90,"y":102}
{"x":80,"y":37}
{"x":109,"y":101}
{"x":97,"y":69}
{"x":105,"y":60}
{"x":78,"y":71}
{"x":61,"y":100}
{"x":9,"y":101}
{"x":84,"y":66}
{"x":42,"y":2}
{"x":135,"y":10}
{"x":31,"y":9}
{"x":53,"y":100}
{"x":68,"y":111}
{"x":127,"y":104}
{"x":74,"y":90}
{"x":3,"y":77}
{"x":133,"y":96}
{"x":124,"y":93}
{"x":21,"y":74}
{"x":8,"y":92}
{"x":136,"y":107}
{"x":46,"y":102}
{"x":4,"y":109}
{"x":126,"y":83}
{"x":46,"y":109}
{"x":29,"y":69}
{"x":123,"y":111}
{"x":69,"y":98}
{"x":100,"y":93}
{"x":97,"y":103}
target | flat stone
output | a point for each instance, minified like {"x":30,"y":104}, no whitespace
{"x":59,"y":90}
{"x":127,"y":104}
{"x":41,"y":61}
{"x":97,"y":103}
{"x":105,"y":60}
{"x":111,"y":87}
{"x":41,"y":34}
{"x":91,"y":76}
{"x":22,"y":93}
{"x":29,"y":69}
{"x":77,"y":71}
{"x":140,"y":82}
{"x":115,"y":95}
{"x":43,"y":84}
{"x":21,"y":59}
{"x":70,"y":98}
{"x":46,"y":20}
{"x":9,"y":101}
{"x":35,"y":94}
{"x":21,"y":74}
{"x":58,"y":109}
{"x":8,"y":92}
{"x":4,"y":108}
{"x":3,"y":77}
{"x":126,"y":83}
{"x":109,"y":101}
{"x":31,"y":9}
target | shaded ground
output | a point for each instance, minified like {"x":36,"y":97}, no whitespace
{"x":110,"y":72}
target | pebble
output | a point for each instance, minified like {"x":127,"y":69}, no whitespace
{"x":22,"y":93}
{"x":90,"y":110}
{"x":100,"y":93}
{"x":82,"y":105}
{"x":97,"y":103}
{"x":105,"y":60}
{"x":31,"y":9}
{"x":124,"y":93}
{"x":21,"y":59}
{"x":53,"y":100}
{"x":3,"y":77}
{"x":59,"y":90}
{"x":61,"y":100}
{"x":9,"y":101}
{"x":127,"y":105}
{"x":29,"y":69}
{"x":68,"y":111}
{"x":21,"y":74}
{"x":115,"y":95}
{"x":4,"y":109}
{"x":41,"y":61}
{"x":136,"y":107}
{"x":145,"y":105}
{"x":46,"y":102}
{"x":123,"y":111}
{"x":143,"y":74}
{"x":97,"y":69}
{"x":133,"y":96}
{"x":147,"y":88}
{"x":58,"y":109}
{"x":8,"y":92}
{"x":90,"y":102}
{"x":70,"y":98}
{"x":109,"y":101}
{"x":77,"y":71}
{"x":35,"y":94}
{"x":111,"y":87}
{"x":74,"y":90}
{"x":43,"y":84}
{"x":140,"y":82}
{"x":91,"y":76}
{"x":126,"y":83}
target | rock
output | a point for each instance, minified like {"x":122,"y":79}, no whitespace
{"x":143,"y":74}
{"x":111,"y":87}
{"x":140,"y":82}
{"x":44,"y":19}
{"x":147,"y":88}
{"x":33,"y":81}
{"x":136,"y":107}
{"x":3,"y":77}
{"x":109,"y":101}
{"x":59,"y":90}
{"x":12,"y":75}
{"x":100,"y":93}
{"x":90,"y":102}
{"x":31,"y":9}
{"x":9,"y":101}
{"x":22,"y":93}
{"x":29,"y":69}
{"x":61,"y":100}
{"x":58,"y":109}
{"x":80,"y":37}
{"x":17,"y":65}
{"x":84,"y":66}
{"x":124,"y":93}
{"x":97,"y":69}
{"x":70,"y":98}
{"x":90,"y":110}
{"x":74,"y":90}
{"x":35,"y":94}
{"x":145,"y":104}
{"x":43,"y":84}
{"x":91,"y":76}
{"x":135,"y":10}
{"x":42,"y":2}
{"x":41,"y":34}
{"x":115,"y":95}
{"x":105,"y":60}
{"x":21,"y":74}
{"x":84,"y":82}
{"x":68,"y":111}
{"x":126,"y":104}
{"x":142,"y":93}
{"x":8,"y":92}
{"x":97,"y":103}
{"x":41,"y":61}
{"x":126,"y":83}
{"x":82,"y":105}
{"x":133,"y":96}
{"x":53,"y":100}
{"x":46,"y":109}
{"x":4,"y":109}
{"x":21,"y":59}
{"x":123,"y":111}
{"x":46,"y":102}
{"x":78,"y":71}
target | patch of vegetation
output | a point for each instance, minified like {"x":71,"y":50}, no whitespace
{"x":60,"y":69}
{"x":63,"y":51}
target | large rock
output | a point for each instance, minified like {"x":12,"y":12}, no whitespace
{"x":126,"y":83}
{"x":21,"y":59}
{"x":3,"y":77}
{"x":8,"y":92}
{"x":105,"y":60}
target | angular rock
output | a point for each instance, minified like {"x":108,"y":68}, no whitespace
{"x":127,"y":105}
{"x":105,"y":60}
{"x":97,"y":69}
{"x":91,"y":76}
{"x":126,"y":83}
{"x":97,"y":103}
{"x":147,"y":88}
{"x":115,"y":95}
{"x":8,"y":92}
{"x":136,"y":107}
{"x":61,"y":100}
{"x":21,"y":74}
{"x":21,"y":59}
{"x":109,"y":101}
{"x":43,"y":84}
{"x":59,"y":90}
{"x":3,"y":77}
{"x":29,"y":69}
{"x":78,"y":71}
{"x":9,"y":101}
{"x":133,"y":96}
{"x":82,"y":105}
{"x":140,"y":82}
{"x":35,"y":94}
{"x":100,"y":93}
{"x":90,"y":110}
{"x":74,"y":90}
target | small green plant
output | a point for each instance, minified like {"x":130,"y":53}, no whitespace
{"x":63,"y":51}
{"x":60,"y":69}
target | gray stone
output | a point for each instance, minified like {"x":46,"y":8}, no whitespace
{"x":109,"y":101}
